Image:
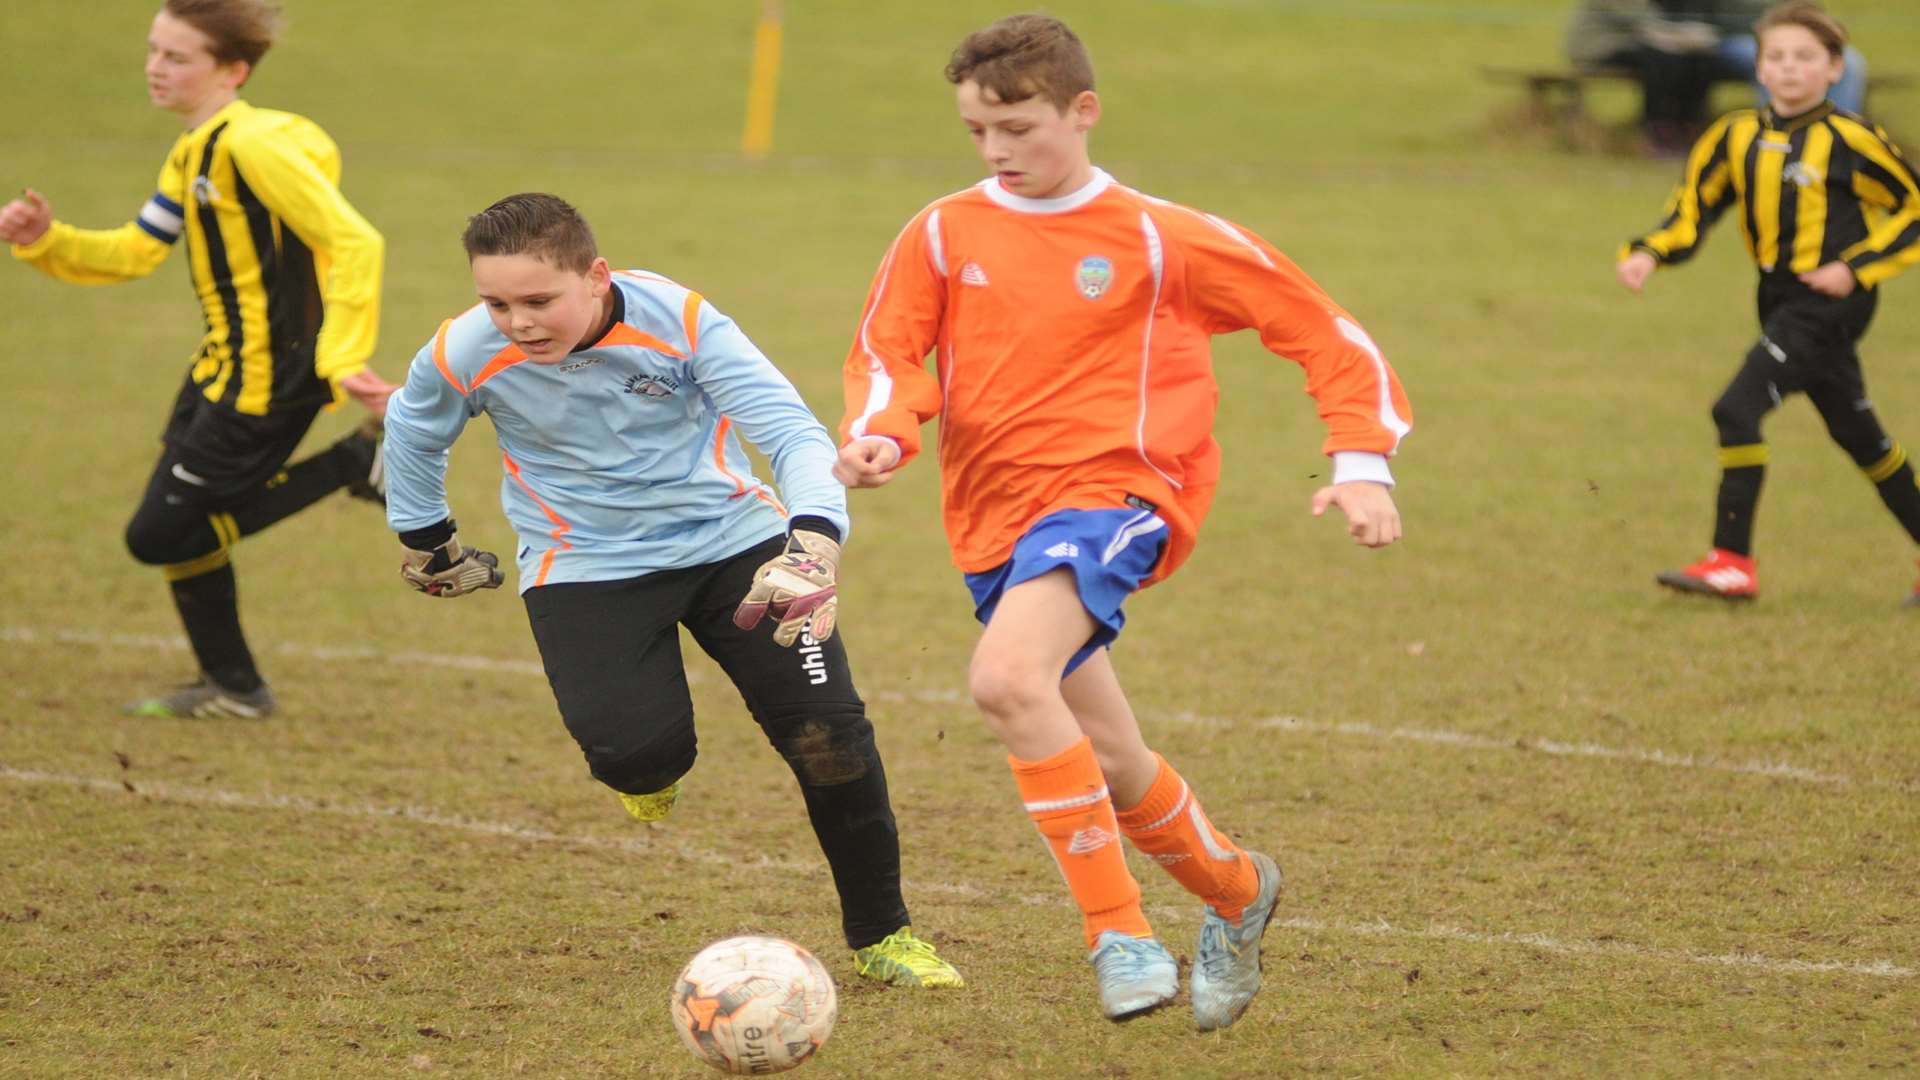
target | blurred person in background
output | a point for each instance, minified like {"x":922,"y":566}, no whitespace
{"x":1671,"y":54}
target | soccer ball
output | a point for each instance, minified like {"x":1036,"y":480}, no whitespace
{"x":754,"y":1005}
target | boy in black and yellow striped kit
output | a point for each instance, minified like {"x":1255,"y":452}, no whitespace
{"x":288,"y":278}
{"x":1830,"y":210}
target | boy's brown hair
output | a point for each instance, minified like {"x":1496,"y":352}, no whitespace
{"x":238,"y":29}
{"x":1024,"y":55}
{"x":532,"y":223}
{"x":1808,"y":14}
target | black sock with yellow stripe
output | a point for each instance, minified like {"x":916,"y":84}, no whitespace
{"x":1892,"y":477}
{"x":209,"y":607}
{"x":1742,"y":471}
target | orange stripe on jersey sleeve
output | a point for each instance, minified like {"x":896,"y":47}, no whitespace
{"x":440,"y":357}
{"x":498,"y":363}
{"x":560,"y":526}
{"x":690,"y":315}
{"x":622,"y":334}
{"x":739,"y":484}
{"x":720,"y":456}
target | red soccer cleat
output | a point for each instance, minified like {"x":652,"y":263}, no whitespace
{"x":1722,"y":573}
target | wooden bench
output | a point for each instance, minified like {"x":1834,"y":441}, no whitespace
{"x":1557,"y":97}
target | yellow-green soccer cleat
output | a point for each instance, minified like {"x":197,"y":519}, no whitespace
{"x":905,"y":960}
{"x":207,"y":700}
{"x":652,"y":806}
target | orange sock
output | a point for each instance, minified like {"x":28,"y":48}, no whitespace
{"x":1171,"y":829}
{"x":1066,"y":796}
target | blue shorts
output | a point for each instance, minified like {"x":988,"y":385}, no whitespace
{"x":1109,"y":551}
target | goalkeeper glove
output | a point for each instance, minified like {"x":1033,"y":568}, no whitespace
{"x":794,"y":587}
{"x":451,"y":569}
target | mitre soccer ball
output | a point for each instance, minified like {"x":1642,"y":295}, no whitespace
{"x":754,"y":1005}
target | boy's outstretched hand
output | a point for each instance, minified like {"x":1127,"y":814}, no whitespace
{"x":25,"y":219}
{"x":1634,"y":270}
{"x":1372,"y":519}
{"x":867,"y":462}
{"x":370,"y":390}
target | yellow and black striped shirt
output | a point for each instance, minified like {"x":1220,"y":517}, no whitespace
{"x":287,"y":272}
{"x":1812,"y":189}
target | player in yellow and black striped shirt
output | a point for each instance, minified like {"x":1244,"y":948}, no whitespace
{"x":288,"y":278}
{"x":1830,"y":210}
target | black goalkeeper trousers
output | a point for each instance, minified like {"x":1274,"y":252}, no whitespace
{"x":612,"y":654}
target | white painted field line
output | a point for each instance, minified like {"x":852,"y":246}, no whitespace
{"x":189,"y":796}
{"x":1778,"y":770}
{"x":1885,"y":969}
{"x":1468,"y":740}
{"x":30,"y":636}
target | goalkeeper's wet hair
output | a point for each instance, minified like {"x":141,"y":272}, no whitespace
{"x":533,"y":223}
{"x":237,"y":29}
{"x":1021,"y":56}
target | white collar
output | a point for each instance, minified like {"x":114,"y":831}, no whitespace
{"x":1058,"y":205}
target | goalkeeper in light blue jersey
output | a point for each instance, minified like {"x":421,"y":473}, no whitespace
{"x":619,"y":399}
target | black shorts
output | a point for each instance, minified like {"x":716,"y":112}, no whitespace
{"x":612,"y":654}
{"x":1811,"y":338}
{"x":227,"y":455}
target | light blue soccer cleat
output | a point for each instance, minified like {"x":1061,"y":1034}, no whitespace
{"x":1226,"y":963}
{"x":1137,"y":975}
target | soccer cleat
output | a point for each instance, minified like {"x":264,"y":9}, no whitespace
{"x":1226,"y":963}
{"x":370,"y":474}
{"x":207,"y":700}
{"x":1913,"y":598}
{"x":652,"y":806}
{"x":1722,"y":574}
{"x":1137,"y":975}
{"x":905,"y":960}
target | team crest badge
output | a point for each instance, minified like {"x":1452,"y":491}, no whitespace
{"x":1094,"y":276}
{"x":652,"y":386}
{"x":203,"y":191}
{"x":1800,"y":174}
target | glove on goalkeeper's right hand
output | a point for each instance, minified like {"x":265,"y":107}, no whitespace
{"x":451,"y":570}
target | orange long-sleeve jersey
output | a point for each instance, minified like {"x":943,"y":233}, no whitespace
{"x":1073,"y":365}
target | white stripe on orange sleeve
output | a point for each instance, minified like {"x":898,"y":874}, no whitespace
{"x":934,"y":244}
{"x":1389,"y":417}
{"x":879,"y":383}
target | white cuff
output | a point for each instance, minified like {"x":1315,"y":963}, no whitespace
{"x":1351,"y":465}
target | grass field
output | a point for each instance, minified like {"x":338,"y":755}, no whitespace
{"x":1536,"y":816}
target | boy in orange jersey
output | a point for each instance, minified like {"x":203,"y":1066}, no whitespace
{"x":1071,"y":319}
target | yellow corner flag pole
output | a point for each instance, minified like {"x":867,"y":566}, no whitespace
{"x":764,"y":86}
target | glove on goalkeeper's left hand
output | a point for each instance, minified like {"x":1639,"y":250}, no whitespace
{"x":451,"y":569}
{"x":797,"y":585}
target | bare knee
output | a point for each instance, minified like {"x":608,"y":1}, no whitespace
{"x":1007,"y":688}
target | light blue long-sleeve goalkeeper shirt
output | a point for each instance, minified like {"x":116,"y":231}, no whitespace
{"x":624,"y":458}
